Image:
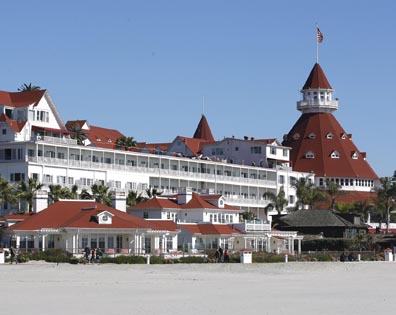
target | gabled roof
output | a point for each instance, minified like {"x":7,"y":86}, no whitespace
{"x":15,"y":125}
{"x":322,"y":164}
{"x":163,"y":225}
{"x":102,"y":137}
{"x":197,"y":202}
{"x":317,"y":79}
{"x":313,"y":218}
{"x":21,"y":99}
{"x":203,"y":130}
{"x":194,"y":145}
{"x":78,"y":214}
{"x":210,"y":229}
{"x":81,"y":124}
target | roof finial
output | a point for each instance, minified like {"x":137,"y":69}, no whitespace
{"x":203,"y":105}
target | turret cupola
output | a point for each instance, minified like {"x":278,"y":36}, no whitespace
{"x":317,"y":93}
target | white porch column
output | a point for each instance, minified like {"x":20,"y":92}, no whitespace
{"x":268,"y":244}
{"x":36,"y":241}
{"x":299,"y":246}
{"x":17,"y":241}
{"x":43,"y":241}
{"x":292,"y":247}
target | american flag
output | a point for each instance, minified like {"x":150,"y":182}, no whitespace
{"x":319,"y":35}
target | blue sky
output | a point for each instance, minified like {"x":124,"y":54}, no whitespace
{"x":143,"y":67}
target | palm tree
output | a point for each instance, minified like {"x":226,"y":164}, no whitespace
{"x":7,"y":193}
{"x":307,"y":193}
{"x":386,"y":196}
{"x":28,"y":87}
{"x":134,"y":198}
{"x":26,"y":191}
{"x":85,"y":195}
{"x":152,"y":192}
{"x":101,"y":194}
{"x":333,"y":190}
{"x":279,"y":201}
{"x":78,"y":134}
{"x":126,"y":142}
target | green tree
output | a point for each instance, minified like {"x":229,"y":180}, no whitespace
{"x":307,"y":193}
{"x":279,"y":201}
{"x":134,"y":198}
{"x":7,"y":193}
{"x":333,"y":191}
{"x":101,"y":194}
{"x":85,"y":195}
{"x":77,"y":134}
{"x":386,"y":195}
{"x":26,"y":190}
{"x":126,"y":142}
{"x":28,"y":87}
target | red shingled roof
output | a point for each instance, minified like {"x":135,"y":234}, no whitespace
{"x":21,"y":99}
{"x":15,"y":125}
{"x":203,"y":130}
{"x":321,"y":125}
{"x":103,"y":137}
{"x":209,"y":229}
{"x":197,"y":202}
{"x":317,"y":79}
{"x":79,"y":214}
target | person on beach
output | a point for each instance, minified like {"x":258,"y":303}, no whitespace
{"x":219,"y":254}
{"x":87,"y":251}
{"x":14,"y":255}
{"x":226,"y":256}
{"x":93,"y":254}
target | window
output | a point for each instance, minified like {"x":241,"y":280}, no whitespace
{"x":285,"y":152}
{"x":273,"y":150}
{"x":255,"y":150}
{"x":145,"y":215}
{"x":281,"y":179}
{"x":236,"y":148}
{"x":329,"y":136}
{"x":343,"y":136}
{"x":291,"y":199}
{"x":84,"y":241}
{"x":42,"y":116}
{"x":101,"y":242}
{"x":110,"y":242}
{"x":61,"y":155}
{"x":311,"y":136}
{"x":335,"y":154}
{"x":17,"y":177}
{"x":4,"y":131}
{"x":94,"y":242}
{"x":355,"y":156}
{"x":296,"y":136}
{"x":309,"y":155}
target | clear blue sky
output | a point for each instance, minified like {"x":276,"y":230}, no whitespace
{"x":142,"y":67}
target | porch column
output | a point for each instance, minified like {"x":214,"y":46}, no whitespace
{"x":299,"y":246}
{"x":43,"y":240}
{"x":37,"y":241}
{"x":17,"y":241}
{"x":268,"y":244}
{"x":292,"y":247}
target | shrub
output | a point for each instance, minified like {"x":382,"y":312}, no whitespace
{"x":193,"y":260}
{"x":338,"y":244}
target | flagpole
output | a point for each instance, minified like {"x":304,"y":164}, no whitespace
{"x":317,"y":43}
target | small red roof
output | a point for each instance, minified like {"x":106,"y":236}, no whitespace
{"x":317,"y":79}
{"x":16,"y":125}
{"x":203,"y":130}
{"x":21,"y":99}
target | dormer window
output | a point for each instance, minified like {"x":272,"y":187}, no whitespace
{"x":109,"y":140}
{"x":355,"y":155}
{"x":105,"y":217}
{"x":335,"y":154}
{"x":98,"y":139}
{"x":329,"y":136}
{"x":309,"y":155}
{"x":296,"y":136}
{"x":311,"y":136}
{"x":343,"y":136}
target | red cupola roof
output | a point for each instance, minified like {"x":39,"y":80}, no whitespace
{"x":317,"y":79}
{"x":203,"y":130}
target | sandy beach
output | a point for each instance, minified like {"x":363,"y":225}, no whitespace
{"x":282,"y":288}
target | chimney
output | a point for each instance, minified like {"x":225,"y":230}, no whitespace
{"x":118,"y":200}
{"x":40,"y":201}
{"x":184,"y":195}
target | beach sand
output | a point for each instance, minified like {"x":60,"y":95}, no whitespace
{"x":281,"y":288}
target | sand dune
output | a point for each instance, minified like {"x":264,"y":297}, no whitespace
{"x":283,"y":288}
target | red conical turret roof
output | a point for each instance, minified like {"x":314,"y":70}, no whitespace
{"x":203,"y":130}
{"x":331,"y":150}
{"x":317,"y":79}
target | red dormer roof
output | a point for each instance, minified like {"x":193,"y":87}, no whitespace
{"x":15,"y":125}
{"x":317,"y":79}
{"x":156,"y":203}
{"x":194,"y":145}
{"x":203,"y":130}
{"x":327,"y":140}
